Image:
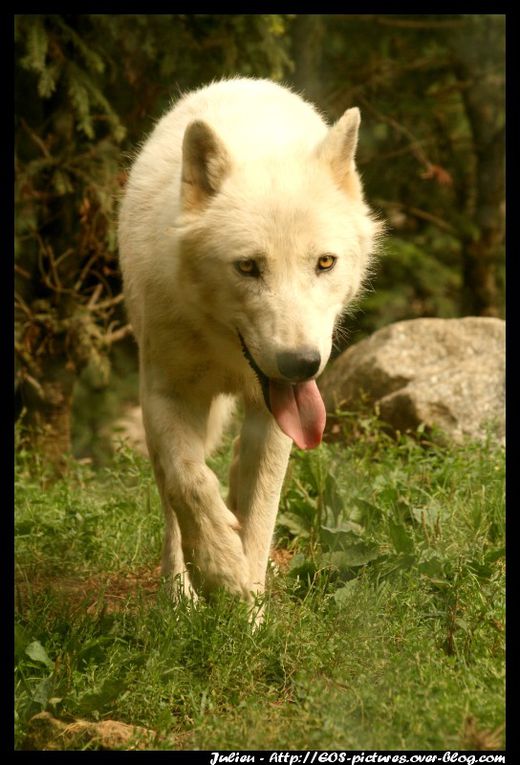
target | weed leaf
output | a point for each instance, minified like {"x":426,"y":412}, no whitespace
{"x":43,"y":691}
{"x":352,"y":556}
{"x":345,"y":594}
{"x":342,"y":537}
{"x":37,"y":652}
{"x":296,"y":524}
{"x":401,"y":537}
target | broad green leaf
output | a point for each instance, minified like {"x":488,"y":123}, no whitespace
{"x":347,"y":592}
{"x":20,"y":641}
{"x":295,"y":523}
{"x":484,"y":567}
{"x":401,"y":537}
{"x":302,"y":567}
{"x":431,"y":565}
{"x":37,"y":652}
{"x":43,"y":691}
{"x":342,"y":537}
{"x":353,"y":556}
{"x":332,"y":496}
{"x":100,"y":699}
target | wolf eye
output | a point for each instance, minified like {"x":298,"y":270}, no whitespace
{"x":325,"y":262}
{"x":248,"y":267}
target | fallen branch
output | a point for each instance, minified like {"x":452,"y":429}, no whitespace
{"x":46,"y":732}
{"x":94,"y":297}
{"x":19,"y":270}
{"x":109,"y":303}
{"x":119,"y":334}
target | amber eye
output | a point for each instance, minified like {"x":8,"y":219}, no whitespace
{"x":325,"y":262}
{"x":248,"y":267}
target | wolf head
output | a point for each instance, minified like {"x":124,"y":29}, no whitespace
{"x":280,"y":244}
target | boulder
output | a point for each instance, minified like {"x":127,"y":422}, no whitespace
{"x":443,"y":373}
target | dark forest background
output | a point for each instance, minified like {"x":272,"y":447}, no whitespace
{"x":90,"y":87}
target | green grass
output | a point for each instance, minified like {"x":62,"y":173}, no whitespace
{"x":386,"y":631}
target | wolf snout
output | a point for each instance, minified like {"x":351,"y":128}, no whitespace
{"x":298,"y":365}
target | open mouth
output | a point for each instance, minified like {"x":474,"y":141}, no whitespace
{"x":298,"y":408}
{"x":262,"y":379}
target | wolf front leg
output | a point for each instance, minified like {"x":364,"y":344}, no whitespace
{"x":173,"y":567}
{"x":256,"y":478}
{"x":209,"y":532}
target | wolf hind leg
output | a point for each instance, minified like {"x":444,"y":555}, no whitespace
{"x":173,"y":567}
{"x":221,"y":410}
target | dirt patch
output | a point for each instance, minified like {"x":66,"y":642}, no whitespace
{"x":281,"y":558}
{"x":477,"y":739}
{"x":110,"y":591}
{"x":46,"y":732}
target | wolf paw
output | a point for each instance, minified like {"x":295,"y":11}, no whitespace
{"x":218,"y":560}
{"x":178,"y":587}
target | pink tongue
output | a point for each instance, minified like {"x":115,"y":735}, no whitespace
{"x":299,"y":411}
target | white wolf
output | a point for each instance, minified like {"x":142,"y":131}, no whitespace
{"x":243,"y":237}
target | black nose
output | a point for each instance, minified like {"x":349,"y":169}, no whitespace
{"x":298,"y":365}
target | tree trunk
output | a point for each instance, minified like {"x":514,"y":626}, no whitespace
{"x":480,"y":69}
{"x":482,"y":255}
{"x":481,"y":294}
{"x":46,"y":419}
{"x":307,"y":32}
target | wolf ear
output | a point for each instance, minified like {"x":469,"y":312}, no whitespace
{"x":338,"y":149}
{"x":205,"y":164}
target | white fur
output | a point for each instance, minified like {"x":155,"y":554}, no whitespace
{"x":280,"y":187}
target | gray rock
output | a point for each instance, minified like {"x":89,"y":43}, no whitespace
{"x":443,"y":373}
